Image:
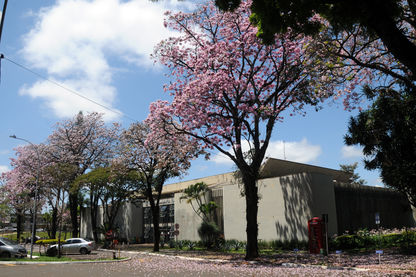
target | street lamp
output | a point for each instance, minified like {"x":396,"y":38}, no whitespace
{"x":36,"y":193}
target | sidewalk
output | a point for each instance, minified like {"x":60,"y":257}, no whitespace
{"x":390,"y":261}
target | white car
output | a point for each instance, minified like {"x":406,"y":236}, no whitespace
{"x":72,"y":246}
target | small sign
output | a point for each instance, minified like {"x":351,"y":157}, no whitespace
{"x":338,"y":252}
{"x":377,"y":217}
{"x":176,"y":232}
{"x":177,"y":226}
{"x":379,"y":251}
{"x":296,"y":250}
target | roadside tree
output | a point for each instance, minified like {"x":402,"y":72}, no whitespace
{"x":155,"y":157}
{"x":84,"y":142}
{"x":111,"y":187}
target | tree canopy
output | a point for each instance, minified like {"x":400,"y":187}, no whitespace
{"x":387,"y":132}
{"x":355,"y":178}
{"x":392,"y":21}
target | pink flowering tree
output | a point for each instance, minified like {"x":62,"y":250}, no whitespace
{"x":17,"y":195}
{"x":156,"y":158}
{"x":228,"y":89}
{"x":84,"y":142}
{"x":21,"y":180}
{"x":354,"y":60}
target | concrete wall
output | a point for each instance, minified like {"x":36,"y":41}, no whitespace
{"x":323,"y":200}
{"x":286,"y":204}
{"x":85,"y":229}
{"x":187,"y":219}
{"x":129,"y":220}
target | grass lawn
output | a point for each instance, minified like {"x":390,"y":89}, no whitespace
{"x":27,"y":234}
{"x":54,"y":259}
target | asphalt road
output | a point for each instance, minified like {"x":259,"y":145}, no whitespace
{"x":150,"y":265}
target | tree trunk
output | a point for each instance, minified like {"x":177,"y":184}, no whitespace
{"x":19,"y":217}
{"x":156,"y":230}
{"x":61,"y":221}
{"x":397,"y":43}
{"x":252,"y":200}
{"x":73,"y":206}
{"x":54,"y":223}
{"x":94,"y":223}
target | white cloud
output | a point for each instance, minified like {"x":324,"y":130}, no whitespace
{"x":377,"y":183}
{"x":297,"y":151}
{"x":4,"y":168}
{"x":74,"y":40}
{"x":348,"y":152}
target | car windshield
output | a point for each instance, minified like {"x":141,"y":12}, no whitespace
{"x":8,"y":241}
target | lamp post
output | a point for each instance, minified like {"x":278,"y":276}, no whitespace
{"x":36,"y":193}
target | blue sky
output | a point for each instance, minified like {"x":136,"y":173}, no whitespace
{"x":101,"y":48}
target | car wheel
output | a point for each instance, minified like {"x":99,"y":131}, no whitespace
{"x":52,"y":252}
{"x":5,"y":255}
{"x":83,"y":251}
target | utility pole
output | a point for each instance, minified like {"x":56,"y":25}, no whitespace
{"x":3,"y":15}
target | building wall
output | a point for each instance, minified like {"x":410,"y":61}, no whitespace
{"x":323,"y":200}
{"x":356,"y":207}
{"x":85,"y":229}
{"x":285,"y":206}
{"x":187,"y":219}
{"x":129,"y":220}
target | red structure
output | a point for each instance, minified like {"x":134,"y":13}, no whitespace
{"x":316,"y":229}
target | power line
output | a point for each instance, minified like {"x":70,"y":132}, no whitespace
{"x":67,"y":89}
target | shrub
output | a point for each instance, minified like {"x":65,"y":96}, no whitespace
{"x":48,"y":241}
{"x":276,"y":244}
{"x":373,"y":239}
{"x":210,"y":235}
{"x":179,"y":244}
{"x":232,"y":244}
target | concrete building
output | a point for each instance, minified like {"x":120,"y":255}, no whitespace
{"x":290,"y":194}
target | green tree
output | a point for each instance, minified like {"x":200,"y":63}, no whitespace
{"x":198,"y":194}
{"x":387,"y":132}
{"x":109,"y":186}
{"x":156,"y":159}
{"x":355,"y":178}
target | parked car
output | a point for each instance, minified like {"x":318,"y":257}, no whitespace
{"x":72,"y":246}
{"x":11,"y":249}
{"x":29,"y":239}
{"x":10,"y":229}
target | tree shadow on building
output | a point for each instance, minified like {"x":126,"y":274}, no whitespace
{"x":297,"y":197}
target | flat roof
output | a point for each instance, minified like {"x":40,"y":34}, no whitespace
{"x":271,"y":168}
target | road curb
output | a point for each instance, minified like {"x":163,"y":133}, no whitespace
{"x":292,"y":265}
{"x":66,"y":262}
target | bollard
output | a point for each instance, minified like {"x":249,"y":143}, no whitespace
{"x":114,"y":255}
{"x":379,"y":252}
{"x":296,"y":253}
{"x":338,"y":252}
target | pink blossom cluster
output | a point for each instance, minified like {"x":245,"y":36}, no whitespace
{"x":165,"y":152}
{"x":355,"y":59}
{"x":227,"y":85}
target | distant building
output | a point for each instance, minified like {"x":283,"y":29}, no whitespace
{"x":290,"y":194}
